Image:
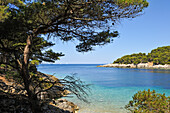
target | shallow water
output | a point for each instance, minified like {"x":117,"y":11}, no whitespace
{"x":112,"y":87}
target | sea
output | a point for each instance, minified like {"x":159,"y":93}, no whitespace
{"x":111,"y":88}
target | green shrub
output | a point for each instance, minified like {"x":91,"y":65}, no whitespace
{"x":149,"y":102}
{"x":2,"y":65}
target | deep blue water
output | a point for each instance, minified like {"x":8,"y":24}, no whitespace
{"x":112,"y":87}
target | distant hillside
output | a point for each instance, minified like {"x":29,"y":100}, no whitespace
{"x":161,"y":55}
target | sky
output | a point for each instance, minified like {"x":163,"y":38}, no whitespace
{"x":141,"y":34}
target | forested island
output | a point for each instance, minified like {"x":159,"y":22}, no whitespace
{"x":158,"y":58}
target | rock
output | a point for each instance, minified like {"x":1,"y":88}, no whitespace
{"x":121,"y":108}
{"x":148,"y":65}
{"x":13,"y":99}
{"x":11,"y":103}
{"x":66,"y":105}
{"x":60,"y":106}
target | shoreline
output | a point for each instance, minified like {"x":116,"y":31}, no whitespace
{"x":138,"y":66}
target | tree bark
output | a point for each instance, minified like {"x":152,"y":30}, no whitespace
{"x":35,"y":105}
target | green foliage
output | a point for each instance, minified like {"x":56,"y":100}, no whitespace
{"x":75,"y":19}
{"x":161,"y":55}
{"x":13,"y":50}
{"x":34,"y":62}
{"x":4,"y":8}
{"x":133,"y":58}
{"x":2,"y":65}
{"x":125,"y":3}
{"x":3,"y":13}
{"x":13,"y":75}
{"x":149,"y":102}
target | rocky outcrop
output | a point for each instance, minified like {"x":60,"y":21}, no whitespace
{"x":66,"y":105}
{"x":56,"y":91}
{"x":60,"y":106}
{"x":13,"y":99}
{"x":119,"y":65}
{"x":11,"y":86}
{"x":12,"y":103}
{"x":140,"y":65}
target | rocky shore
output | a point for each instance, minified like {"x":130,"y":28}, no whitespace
{"x":140,"y":65}
{"x":13,"y":103}
{"x":13,"y":98}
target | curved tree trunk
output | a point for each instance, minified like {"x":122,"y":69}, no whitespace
{"x":35,"y":105}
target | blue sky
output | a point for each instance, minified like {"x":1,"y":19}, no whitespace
{"x":141,"y":34}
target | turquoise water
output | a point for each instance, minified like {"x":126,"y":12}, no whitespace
{"x":112,"y":87}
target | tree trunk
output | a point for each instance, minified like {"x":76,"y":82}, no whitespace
{"x":35,"y":106}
